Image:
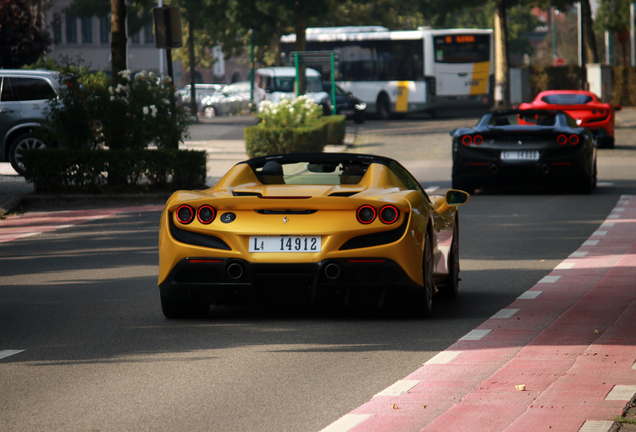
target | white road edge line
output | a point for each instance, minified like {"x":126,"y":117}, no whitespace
{"x":475,"y":335}
{"x":431,"y":189}
{"x":529,"y":295}
{"x":550,"y":279}
{"x":346,"y":423}
{"x":7,"y":353}
{"x":399,"y":388}
{"x":443,"y":357}
{"x":621,"y":393}
{"x":504,"y":313}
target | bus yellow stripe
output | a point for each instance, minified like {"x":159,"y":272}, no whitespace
{"x":480,"y":78}
{"x":402,"y":104}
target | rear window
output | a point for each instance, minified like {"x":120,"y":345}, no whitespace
{"x":286,"y":84}
{"x":304,"y":173}
{"x":567,"y":99}
{"x":528,"y":119}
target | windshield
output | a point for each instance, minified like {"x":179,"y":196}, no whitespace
{"x":305,"y":173}
{"x":567,"y":99}
{"x":528,"y":119}
{"x":286,"y":84}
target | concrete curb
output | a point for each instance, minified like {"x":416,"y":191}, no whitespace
{"x":59,"y":200}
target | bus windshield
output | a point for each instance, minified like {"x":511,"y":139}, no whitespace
{"x":462,"y":48}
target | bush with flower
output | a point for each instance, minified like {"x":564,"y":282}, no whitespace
{"x":289,"y":112}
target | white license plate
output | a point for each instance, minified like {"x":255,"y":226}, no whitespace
{"x":285,"y":243}
{"x":520,"y":155}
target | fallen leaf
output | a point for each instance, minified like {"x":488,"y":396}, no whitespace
{"x":395,"y":406}
{"x":423,"y":406}
{"x":597,"y":331}
{"x":521,"y":387}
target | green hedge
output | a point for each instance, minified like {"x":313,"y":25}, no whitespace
{"x":67,"y":170}
{"x":263,"y":141}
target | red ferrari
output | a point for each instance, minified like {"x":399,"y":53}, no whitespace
{"x":585,"y":108}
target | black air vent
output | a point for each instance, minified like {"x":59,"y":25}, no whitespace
{"x":196,"y":239}
{"x":343,"y":194}
{"x":285,"y":212}
{"x":239,"y":193}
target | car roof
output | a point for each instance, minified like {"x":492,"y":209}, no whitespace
{"x":318,"y":158}
{"x":285,"y":71}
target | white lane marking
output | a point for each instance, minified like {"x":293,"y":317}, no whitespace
{"x":608,"y":224}
{"x":550,"y":279}
{"x":578,"y":254}
{"x":599,"y":233}
{"x":444,"y":357}
{"x":619,"y":209}
{"x":475,"y":335}
{"x":597,"y":426}
{"x":614,"y":216}
{"x":346,"y":423}
{"x":590,"y":243}
{"x":399,"y":388}
{"x":621,"y":392}
{"x":7,"y":353}
{"x":529,"y":295}
{"x":431,"y":189}
{"x":564,"y":266}
{"x":604,"y":184}
{"x":504,"y":313}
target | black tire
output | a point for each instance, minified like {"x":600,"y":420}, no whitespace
{"x":383,"y":107}
{"x":425,"y":304}
{"x":451,"y":284}
{"x":175,"y":309}
{"x":26,"y":141}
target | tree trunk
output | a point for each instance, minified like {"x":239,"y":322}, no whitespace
{"x":590,"y":39}
{"x":301,"y":26}
{"x":118,"y":38}
{"x":502,"y":62}
{"x":193,"y":100}
{"x":118,"y":64}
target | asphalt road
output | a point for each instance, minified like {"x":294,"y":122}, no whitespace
{"x":83,"y":304}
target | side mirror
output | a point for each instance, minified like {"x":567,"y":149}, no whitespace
{"x":452,"y":133}
{"x":454,"y":198}
{"x":617,"y":107}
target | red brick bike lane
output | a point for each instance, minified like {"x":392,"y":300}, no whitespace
{"x":561,"y":357}
{"x":29,"y":224}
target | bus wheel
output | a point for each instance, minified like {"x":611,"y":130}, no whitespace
{"x":384,"y":108}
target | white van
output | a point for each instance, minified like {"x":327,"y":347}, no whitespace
{"x":275,"y":82}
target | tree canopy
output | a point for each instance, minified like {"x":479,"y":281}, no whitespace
{"x":23,"y":36}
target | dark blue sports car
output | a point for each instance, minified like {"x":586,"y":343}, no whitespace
{"x":347,"y":104}
{"x":524,"y":147}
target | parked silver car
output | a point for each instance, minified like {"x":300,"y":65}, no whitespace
{"x":202,"y":91}
{"x":233,"y":99}
{"x":23,"y":97}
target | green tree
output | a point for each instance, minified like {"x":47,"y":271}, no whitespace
{"x":23,"y":36}
{"x":613,"y":16}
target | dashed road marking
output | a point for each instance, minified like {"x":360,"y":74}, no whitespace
{"x":549,"y":279}
{"x":621,"y":392}
{"x":599,"y":233}
{"x":399,"y":388}
{"x":431,"y":189}
{"x":564,"y":266}
{"x":475,"y":335}
{"x":346,"y":423}
{"x":529,"y":295}
{"x":7,"y":353}
{"x":590,"y":243}
{"x":504,"y":313}
{"x":443,"y":357}
{"x":578,"y":254}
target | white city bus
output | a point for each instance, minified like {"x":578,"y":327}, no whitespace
{"x":399,"y":72}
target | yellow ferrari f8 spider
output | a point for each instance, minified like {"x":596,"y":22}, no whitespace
{"x":313,"y":228}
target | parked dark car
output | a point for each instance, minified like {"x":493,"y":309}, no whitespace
{"x":347,"y":104}
{"x":23,"y":97}
{"x":524,"y":148}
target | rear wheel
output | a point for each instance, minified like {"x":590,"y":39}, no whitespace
{"x":176,"y":309}
{"x":26,"y":141}
{"x":451,"y":284}
{"x":425,"y":304}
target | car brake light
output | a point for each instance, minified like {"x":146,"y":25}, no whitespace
{"x":562,"y":139}
{"x":389,"y":214}
{"x":574,"y":139}
{"x":478,"y":139}
{"x":206,"y":214}
{"x":467,"y":139}
{"x":185,"y":214}
{"x":366,"y":214}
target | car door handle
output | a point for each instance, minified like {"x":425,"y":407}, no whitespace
{"x":6,"y":111}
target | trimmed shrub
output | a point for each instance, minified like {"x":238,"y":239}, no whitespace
{"x":264,"y":141}
{"x":336,"y":128}
{"x":80,"y":170}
